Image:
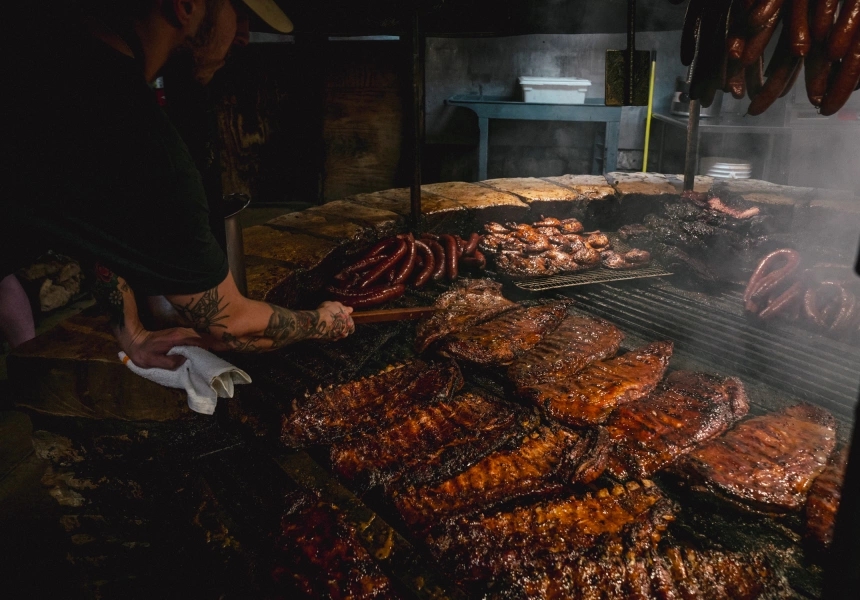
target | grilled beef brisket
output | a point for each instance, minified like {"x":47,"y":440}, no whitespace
{"x":429,"y":442}
{"x":588,"y":397}
{"x":576,"y":343}
{"x":368,"y":403}
{"x":540,"y":462}
{"x":823,"y":501}
{"x":684,"y":411}
{"x":768,"y":462}
{"x":472,"y":301}
{"x":500,"y":340}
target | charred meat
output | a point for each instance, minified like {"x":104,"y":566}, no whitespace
{"x":823,"y":501}
{"x":318,"y":555}
{"x":588,"y":397}
{"x":539,"y":463}
{"x":543,"y":533}
{"x":367,"y":403}
{"x":767,"y":463}
{"x":576,"y":343}
{"x":500,"y":340}
{"x":429,"y":443}
{"x":469,"y":303}
{"x":684,"y":411}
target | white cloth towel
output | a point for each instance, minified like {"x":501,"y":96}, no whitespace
{"x":203,"y":375}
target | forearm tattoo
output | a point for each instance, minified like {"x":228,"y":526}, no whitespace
{"x":108,"y":291}
{"x":287,"y":326}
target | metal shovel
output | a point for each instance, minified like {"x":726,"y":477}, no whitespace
{"x":628,"y":71}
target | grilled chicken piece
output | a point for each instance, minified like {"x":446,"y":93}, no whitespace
{"x":637,"y":256}
{"x":598,"y":241}
{"x":587,"y":256}
{"x":493,"y":227}
{"x":318,"y":555}
{"x":541,"y":462}
{"x":576,"y":343}
{"x":767,"y":463}
{"x":430,"y":442}
{"x":588,"y":397}
{"x":472,"y":301}
{"x":571,"y":226}
{"x":524,"y":266}
{"x":548,"y":222}
{"x":563,"y":262}
{"x":486,"y":547}
{"x":823,"y":501}
{"x":500,"y":340}
{"x":549,"y":232}
{"x":684,"y":411}
{"x":367,"y":403}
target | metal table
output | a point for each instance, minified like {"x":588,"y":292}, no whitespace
{"x":493,"y":107}
{"x":726,"y":125}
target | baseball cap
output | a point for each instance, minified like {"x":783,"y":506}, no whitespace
{"x":271,"y":13}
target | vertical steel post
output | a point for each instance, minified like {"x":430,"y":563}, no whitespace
{"x":417,"y":48}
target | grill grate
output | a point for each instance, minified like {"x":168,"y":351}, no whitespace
{"x":598,"y":275}
{"x":714,"y":328}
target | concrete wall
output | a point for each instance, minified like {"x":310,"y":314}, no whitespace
{"x":490,"y":66}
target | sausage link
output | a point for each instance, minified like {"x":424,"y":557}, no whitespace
{"x":812,"y":298}
{"x":765,"y":278}
{"x":816,"y":70}
{"x":783,"y":303}
{"x":477,"y":260}
{"x":369,"y":297}
{"x":800,"y":39}
{"x":794,"y":75}
{"x":737,"y":85}
{"x":385,"y":266}
{"x":429,"y":236}
{"x":692,"y":25}
{"x":429,"y":264}
{"x":756,"y":44}
{"x":472,"y":245}
{"x":381,"y":247}
{"x":451,"y":258}
{"x":735,"y":47}
{"x":782,"y":69}
{"x":846,"y":311}
{"x":356,"y":267}
{"x":842,"y":34}
{"x":763,"y":12}
{"x":438,"y":258}
{"x":845,"y":80}
{"x":754,"y":78}
{"x":822,"y":19}
{"x":408,"y":263}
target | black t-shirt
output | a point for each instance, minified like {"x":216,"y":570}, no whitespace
{"x":103,"y":175}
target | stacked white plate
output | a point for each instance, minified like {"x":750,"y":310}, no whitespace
{"x":726,"y":168}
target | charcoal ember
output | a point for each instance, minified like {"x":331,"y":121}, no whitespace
{"x":318,"y":555}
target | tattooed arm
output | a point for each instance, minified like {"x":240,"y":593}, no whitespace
{"x":145,"y":348}
{"x":229,"y":321}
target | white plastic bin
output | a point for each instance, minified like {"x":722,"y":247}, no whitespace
{"x":554,"y":90}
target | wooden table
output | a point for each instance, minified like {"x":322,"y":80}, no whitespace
{"x":492,"y":107}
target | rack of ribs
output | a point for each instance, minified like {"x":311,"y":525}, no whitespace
{"x":317,"y":554}
{"x":500,"y":340}
{"x":684,"y":411}
{"x":368,"y":403}
{"x":766,"y":463}
{"x":430,"y":442}
{"x":591,"y":395}
{"x":484,"y":548}
{"x":576,"y":343}
{"x":472,"y":301}
{"x":541,"y":462}
{"x":823,"y":501}
{"x":665,"y":573}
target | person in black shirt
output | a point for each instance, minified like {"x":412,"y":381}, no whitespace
{"x":111,"y":181}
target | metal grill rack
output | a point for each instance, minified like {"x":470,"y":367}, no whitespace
{"x":715,"y":329}
{"x":598,"y":275}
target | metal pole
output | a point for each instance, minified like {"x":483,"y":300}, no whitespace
{"x":417,"y":116}
{"x":691,"y":159}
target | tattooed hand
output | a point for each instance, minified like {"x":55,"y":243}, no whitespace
{"x":335,"y":322}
